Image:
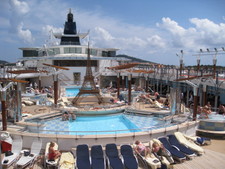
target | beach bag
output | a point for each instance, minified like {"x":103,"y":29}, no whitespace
{"x":8,"y":153}
{"x":203,"y":141}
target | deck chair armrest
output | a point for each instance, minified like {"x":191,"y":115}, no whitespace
{"x":176,"y":147}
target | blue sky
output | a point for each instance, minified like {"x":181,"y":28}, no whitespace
{"x":147,"y":29}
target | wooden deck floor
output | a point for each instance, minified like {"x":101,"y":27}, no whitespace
{"x":211,"y":159}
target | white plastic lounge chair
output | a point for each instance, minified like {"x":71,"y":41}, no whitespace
{"x":47,"y":162}
{"x":198,"y":140}
{"x":67,"y":161}
{"x":16,"y":149}
{"x":34,"y":153}
{"x":180,"y":137}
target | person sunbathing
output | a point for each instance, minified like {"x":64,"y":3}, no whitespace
{"x":159,"y":150}
{"x":52,"y":153}
{"x":141,"y":149}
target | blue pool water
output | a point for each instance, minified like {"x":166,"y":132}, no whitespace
{"x":100,"y":125}
{"x":216,"y":117}
{"x":72,"y":91}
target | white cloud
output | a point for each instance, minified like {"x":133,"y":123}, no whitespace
{"x":172,"y":26}
{"x":204,"y":33}
{"x":100,"y":32}
{"x":48,"y":28}
{"x":19,"y":10}
{"x":156,"y":41}
{"x":25,"y":35}
{"x":19,"y":7}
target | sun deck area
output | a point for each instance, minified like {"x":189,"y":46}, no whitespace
{"x":212,"y":158}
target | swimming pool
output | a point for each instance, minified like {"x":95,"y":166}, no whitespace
{"x":215,"y":122}
{"x":72,"y":91}
{"x":92,"y":125}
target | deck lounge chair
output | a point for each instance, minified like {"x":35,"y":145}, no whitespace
{"x":97,"y":157}
{"x":34,"y":153}
{"x":173,"y":141}
{"x":16,"y":149}
{"x":113,"y":158}
{"x":180,"y":137}
{"x":67,"y":161}
{"x":128,"y":157}
{"x":47,"y":161}
{"x":175,"y":152}
{"x":198,"y":140}
{"x":166,"y":158}
{"x":83,"y":157}
{"x":149,"y":161}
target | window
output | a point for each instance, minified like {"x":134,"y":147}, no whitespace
{"x":53,"y":51}
{"x":92,"y":52}
{"x":30,"y":53}
{"x":72,"y":50}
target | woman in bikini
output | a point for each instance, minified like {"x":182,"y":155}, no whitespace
{"x":141,"y":149}
{"x":52,"y":153}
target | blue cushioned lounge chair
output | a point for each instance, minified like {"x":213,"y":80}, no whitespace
{"x":129,"y":159}
{"x":175,"y":152}
{"x":97,"y":157}
{"x":83,"y":158}
{"x":113,"y":157}
{"x":174,"y":142}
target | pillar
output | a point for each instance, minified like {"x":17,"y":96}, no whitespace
{"x":146,"y":84}
{"x":204,"y":95}
{"x":195,"y":103}
{"x":123,"y":82}
{"x":129,"y":88}
{"x":55,"y":78}
{"x":19,"y":108}
{"x":4,"y":113}
{"x":39,"y":83}
{"x":118,"y":85}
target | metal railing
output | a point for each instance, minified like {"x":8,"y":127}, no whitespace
{"x":114,"y":133}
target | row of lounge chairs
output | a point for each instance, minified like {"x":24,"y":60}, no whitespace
{"x":96,"y":158}
{"x":179,"y":147}
{"x":19,"y":158}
